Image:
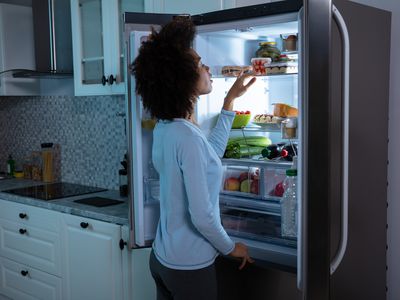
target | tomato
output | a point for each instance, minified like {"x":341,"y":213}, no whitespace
{"x":247,"y":112}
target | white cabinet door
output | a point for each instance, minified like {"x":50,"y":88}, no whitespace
{"x":188,"y":6}
{"x":92,"y":259}
{"x":96,"y":46}
{"x":22,"y":282}
{"x":138,"y":282}
{"x":32,"y":246}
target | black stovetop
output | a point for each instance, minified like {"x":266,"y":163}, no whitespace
{"x":53,"y":191}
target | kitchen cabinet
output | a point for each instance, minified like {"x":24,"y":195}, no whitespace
{"x":92,"y":258}
{"x":30,"y":252}
{"x":16,"y":50}
{"x":98,"y":51}
{"x":25,"y":283}
{"x":138,"y":282}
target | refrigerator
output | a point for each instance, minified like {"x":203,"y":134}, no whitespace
{"x":339,"y":85}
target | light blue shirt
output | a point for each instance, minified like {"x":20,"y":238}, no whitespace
{"x":189,"y":233}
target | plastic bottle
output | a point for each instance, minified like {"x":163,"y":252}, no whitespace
{"x":289,"y":205}
{"x":10,"y":166}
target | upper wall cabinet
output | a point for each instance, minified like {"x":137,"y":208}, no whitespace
{"x":98,"y":45}
{"x":187,"y":6}
{"x":16,"y":50}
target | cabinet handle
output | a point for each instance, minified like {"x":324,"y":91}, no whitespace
{"x":111,"y":79}
{"x":84,"y":224}
{"x":22,"y":215}
{"x":122,"y":244}
{"x":22,"y":231}
{"x":24,"y":273}
{"x":104,"y":80}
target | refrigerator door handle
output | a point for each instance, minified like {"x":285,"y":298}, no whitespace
{"x":345,"y":164}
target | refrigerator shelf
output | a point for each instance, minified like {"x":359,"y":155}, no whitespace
{"x":255,"y":205}
{"x":215,"y":76}
{"x":252,"y":128}
{"x":256,"y":162}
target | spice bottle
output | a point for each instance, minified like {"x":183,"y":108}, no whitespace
{"x":36,"y":166}
{"x":27,"y":167}
{"x":47,"y":156}
{"x":10,"y":166}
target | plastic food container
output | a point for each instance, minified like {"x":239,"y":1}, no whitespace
{"x":259,"y":63}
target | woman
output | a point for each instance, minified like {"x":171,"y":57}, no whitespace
{"x":170,"y":77}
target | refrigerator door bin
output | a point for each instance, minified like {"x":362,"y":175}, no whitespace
{"x":152,"y":190}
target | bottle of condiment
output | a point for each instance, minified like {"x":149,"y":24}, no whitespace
{"x":10,"y":166}
{"x":47,"y":156}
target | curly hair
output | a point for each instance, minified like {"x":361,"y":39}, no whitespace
{"x":166,"y":72}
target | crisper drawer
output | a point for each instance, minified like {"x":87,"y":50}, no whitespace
{"x":35,"y":247}
{"x":255,"y":225}
{"x":30,"y":215}
{"x":21,"y":282}
{"x":254,"y":181}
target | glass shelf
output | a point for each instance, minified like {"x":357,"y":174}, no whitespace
{"x":258,"y":161}
{"x":258,"y":76}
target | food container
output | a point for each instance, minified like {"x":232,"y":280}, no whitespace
{"x":47,"y":156}
{"x":36,"y":165}
{"x":289,"y":42}
{"x":259,"y":63}
{"x":284,"y":110}
{"x":268,"y":49}
{"x":289,"y":128}
{"x":241,"y":120}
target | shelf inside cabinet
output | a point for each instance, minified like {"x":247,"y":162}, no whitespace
{"x":256,"y":162}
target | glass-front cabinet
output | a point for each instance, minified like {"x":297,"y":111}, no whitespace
{"x":98,"y":45}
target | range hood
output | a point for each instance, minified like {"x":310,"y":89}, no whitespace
{"x":52,"y":39}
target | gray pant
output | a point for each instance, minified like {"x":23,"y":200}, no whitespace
{"x":174,"y":284}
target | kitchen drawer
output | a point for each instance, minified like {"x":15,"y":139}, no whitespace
{"x":30,"y":215}
{"x":21,"y":282}
{"x":33,"y":246}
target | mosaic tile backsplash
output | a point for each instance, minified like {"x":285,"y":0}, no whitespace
{"x":90,"y":131}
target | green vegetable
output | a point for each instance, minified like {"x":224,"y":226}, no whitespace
{"x":245,"y":147}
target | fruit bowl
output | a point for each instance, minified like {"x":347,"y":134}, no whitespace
{"x":241,"y":119}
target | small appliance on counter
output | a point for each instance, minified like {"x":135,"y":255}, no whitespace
{"x":54,"y":191}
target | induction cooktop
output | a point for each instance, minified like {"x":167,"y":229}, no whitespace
{"x":53,"y":191}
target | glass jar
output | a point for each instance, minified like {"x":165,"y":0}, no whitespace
{"x":268,"y":49}
{"x":36,"y":165}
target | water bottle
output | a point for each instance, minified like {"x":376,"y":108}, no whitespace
{"x":289,"y":205}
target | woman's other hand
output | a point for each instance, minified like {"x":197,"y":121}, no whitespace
{"x":237,"y":90}
{"x":240,"y":251}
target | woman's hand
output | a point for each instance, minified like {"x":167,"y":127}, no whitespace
{"x":240,"y":251}
{"x":237,"y":90}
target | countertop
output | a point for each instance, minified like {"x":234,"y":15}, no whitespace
{"x":117,"y":214}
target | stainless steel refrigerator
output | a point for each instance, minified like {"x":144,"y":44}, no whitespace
{"x":340,"y":88}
